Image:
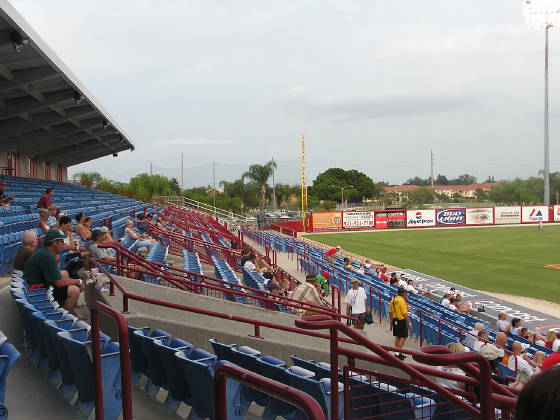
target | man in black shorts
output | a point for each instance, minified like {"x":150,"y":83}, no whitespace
{"x":400,"y":320}
{"x":41,"y":271}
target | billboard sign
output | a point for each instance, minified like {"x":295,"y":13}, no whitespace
{"x":534,"y":214}
{"x":327,"y":221}
{"x":480,"y":216}
{"x":358,"y":219}
{"x":450,"y":217}
{"x":557,"y":213}
{"x":505,"y":215}
{"x":419,"y":218}
{"x":380,"y":220}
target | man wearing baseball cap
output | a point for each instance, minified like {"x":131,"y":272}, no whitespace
{"x":4,"y":199}
{"x":42,"y":271}
{"x":329,"y":255}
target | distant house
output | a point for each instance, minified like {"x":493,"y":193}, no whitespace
{"x":465,"y":191}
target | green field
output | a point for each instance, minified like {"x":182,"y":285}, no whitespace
{"x":497,"y":259}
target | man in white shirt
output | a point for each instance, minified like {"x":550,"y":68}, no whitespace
{"x":402,"y":282}
{"x":524,"y":370}
{"x":446,"y":301}
{"x":556,"y":343}
{"x":250,"y":263}
{"x":356,"y":301}
{"x":501,"y":323}
{"x":472,"y":336}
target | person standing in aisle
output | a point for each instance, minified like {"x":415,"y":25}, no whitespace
{"x":400,"y":320}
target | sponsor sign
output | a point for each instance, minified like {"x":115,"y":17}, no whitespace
{"x":418,"y":218}
{"x":557,"y":213}
{"x":327,"y":221}
{"x":505,"y":215}
{"x":480,"y":216}
{"x":358,"y":219}
{"x":534,"y":214}
{"x":380,"y":220}
{"x":396,"y":215}
{"x":450,"y":217}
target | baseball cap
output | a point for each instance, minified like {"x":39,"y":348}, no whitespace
{"x":338,"y":246}
{"x":103,"y":229}
{"x":354,"y":280}
{"x":53,"y":235}
{"x":326,"y":275}
{"x":368,"y":265}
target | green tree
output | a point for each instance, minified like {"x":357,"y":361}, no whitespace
{"x":421,"y":196}
{"x":259,"y":174}
{"x":362,"y":185}
{"x":418,"y":181}
{"x":90,"y":179}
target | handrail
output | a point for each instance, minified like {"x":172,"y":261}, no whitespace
{"x":286,"y":393}
{"x":162,"y":270}
{"x":316,"y":322}
{"x":126,"y":398}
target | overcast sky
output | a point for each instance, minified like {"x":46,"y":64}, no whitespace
{"x":374,"y":84}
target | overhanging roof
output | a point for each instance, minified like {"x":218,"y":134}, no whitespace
{"x":45,"y":112}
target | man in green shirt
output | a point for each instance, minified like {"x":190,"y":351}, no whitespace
{"x":41,"y":270}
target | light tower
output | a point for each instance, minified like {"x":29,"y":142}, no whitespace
{"x":544,"y":14}
{"x":303,"y":181}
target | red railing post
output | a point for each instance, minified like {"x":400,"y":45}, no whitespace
{"x":124,"y":304}
{"x":126,"y":394}
{"x":334,"y":372}
{"x":380,"y":309}
{"x":421,"y":328}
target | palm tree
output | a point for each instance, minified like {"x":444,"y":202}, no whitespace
{"x":259,"y":174}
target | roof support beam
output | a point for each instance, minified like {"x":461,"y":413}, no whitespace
{"x":75,"y":139}
{"x":15,"y":127}
{"x":80,"y":147}
{"x":94,"y":155}
{"x":21,"y":105}
{"x":23,"y":77}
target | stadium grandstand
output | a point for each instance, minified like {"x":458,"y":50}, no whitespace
{"x":180,"y":315}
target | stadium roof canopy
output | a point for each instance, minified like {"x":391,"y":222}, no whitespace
{"x":45,"y":112}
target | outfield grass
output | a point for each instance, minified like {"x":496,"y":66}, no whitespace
{"x":497,"y":259}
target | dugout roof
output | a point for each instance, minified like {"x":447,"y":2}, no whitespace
{"x":45,"y":112}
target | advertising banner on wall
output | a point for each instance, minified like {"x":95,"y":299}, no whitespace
{"x":534,"y":214}
{"x":480,"y":216}
{"x":380,"y":220}
{"x":358,"y":219}
{"x":505,"y":215}
{"x":327,"y":221}
{"x":419,"y":218}
{"x":450,"y":217}
{"x":557,"y":213}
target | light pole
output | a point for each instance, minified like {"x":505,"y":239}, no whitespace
{"x":544,"y":14}
{"x":342,"y":193}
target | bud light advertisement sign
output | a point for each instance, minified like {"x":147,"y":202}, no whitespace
{"x":450,"y":217}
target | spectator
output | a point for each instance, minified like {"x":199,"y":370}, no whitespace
{"x":356,"y":304}
{"x":472,"y":336}
{"x":523,"y":332}
{"x":520,"y":366}
{"x":307,"y":292}
{"x":551,"y":360}
{"x":81,"y":230}
{"x":399,"y":316}
{"x":540,"y":398}
{"x":446,"y":301}
{"x":362,"y":269}
{"x":550,"y":337}
{"x":100,"y":253}
{"x":514,"y":327}
{"x":482,"y":339}
{"x":106,"y":233}
{"x":538,"y":340}
{"x":450,"y":383}
{"x":501,"y":323}
{"x":348,"y":264}
{"x":493,"y":352}
{"x":383,"y":275}
{"x":245,"y":252}
{"x":71,"y":244}
{"x":556,"y":342}
{"x":44,"y":215}
{"x":329,"y":255}
{"x":460,"y":306}
{"x":402,"y":282}
{"x":250,"y":264}
{"x":52,"y":220}
{"x":4,"y":199}
{"x":41,"y":271}
{"x":143,"y":240}
{"x":393,"y":279}
{"x":323,"y":280}
{"x":45,"y":200}
{"x":30,"y":243}
{"x":369,"y":270}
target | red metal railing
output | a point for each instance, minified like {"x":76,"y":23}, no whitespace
{"x":97,"y":307}
{"x":290,"y":395}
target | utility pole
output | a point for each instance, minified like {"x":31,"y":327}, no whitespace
{"x":214,"y":177}
{"x":151,"y":171}
{"x":432,"y":167}
{"x":182,"y":173}
{"x":273,"y":188}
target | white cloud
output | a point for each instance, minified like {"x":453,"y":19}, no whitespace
{"x":193,"y":142}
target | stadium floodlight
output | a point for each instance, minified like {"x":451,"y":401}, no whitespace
{"x":544,"y":14}
{"x":342,"y":193}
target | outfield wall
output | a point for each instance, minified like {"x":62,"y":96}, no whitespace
{"x":440,"y":217}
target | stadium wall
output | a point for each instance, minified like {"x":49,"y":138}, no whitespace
{"x":16,"y":164}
